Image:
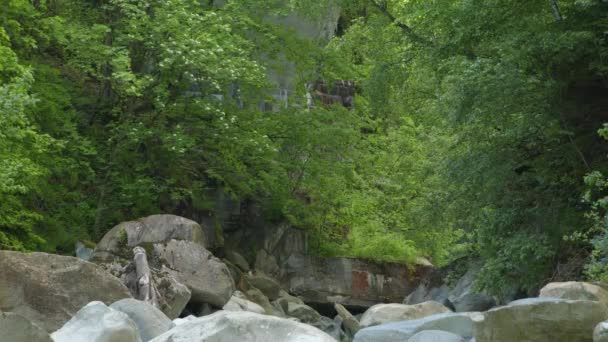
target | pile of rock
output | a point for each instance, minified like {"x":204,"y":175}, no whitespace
{"x":149,"y":272}
{"x":571,"y":311}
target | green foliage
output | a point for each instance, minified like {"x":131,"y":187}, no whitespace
{"x":470,"y":134}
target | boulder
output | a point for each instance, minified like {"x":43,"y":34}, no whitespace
{"x":266,"y":263}
{"x":191,"y":264}
{"x":284,"y":300}
{"x":574,"y":290}
{"x":269,"y":287}
{"x":350,"y":322}
{"x":150,"y":321}
{"x":16,"y":328}
{"x":98,"y":323}
{"x":174,"y":296}
{"x":238,"y":302}
{"x":49,"y":289}
{"x":243,"y":327}
{"x":119,"y":241}
{"x":302,"y":312}
{"x":435,"y":336}
{"x":259,"y":298}
{"x":540,"y":320}
{"x":464,"y":298}
{"x":460,"y":324}
{"x":386,"y":313}
{"x":238,"y":260}
{"x":180,"y":321}
{"x":600,"y":333}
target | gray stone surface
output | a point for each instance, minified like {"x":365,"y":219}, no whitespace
{"x":387,"y":313}
{"x":238,"y":260}
{"x":191,"y":264}
{"x":146,"y":231}
{"x":460,"y":324}
{"x":49,"y":289}
{"x":266,"y":263}
{"x":269,"y":287}
{"x":98,"y":323}
{"x":227,"y":326}
{"x":16,"y":328}
{"x":575,"y":290}
{"x":435,"y":336}
{"x":541,"y":320}
{"x":150,"y":321}
{"x":302,"y":312}
{"x":238,"y":302}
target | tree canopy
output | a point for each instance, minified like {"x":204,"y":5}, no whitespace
{"x":474,"y":130}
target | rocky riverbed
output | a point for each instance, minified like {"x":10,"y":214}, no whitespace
{"x":161,"y":279}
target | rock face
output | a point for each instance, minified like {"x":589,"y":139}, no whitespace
{"x":386,"y":313}
{"x":16,"y":328}
{"x":49,"y":289}
{"x":98,"y":323}
{"x":347,"y":281}
{"x":600,"y":333}
{"x":575,"y":291}
{"x":207,"y":277}
{"x":460,"y":324}
{"x":317,"y":280}
{"x":267,"y":263}
{"x":147,"y":230}
{"x":540,"y":320}
{"x":150,"y":321}
{"x":435,"y":336}
{"x":243,"y":327}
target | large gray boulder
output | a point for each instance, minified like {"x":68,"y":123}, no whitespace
{"x":243,"y":327}
{"x":575,"y":290}
{"x":191,"y":264}
{"x":435,"y":336}
{"x":541,"y":320}
{"x":98,"y":323}
{"x":460,"y":324}
{"x":239,"y":302}
{"x":16,"y":328}
{"x":386,"y":313}
{"x":120,"y":240}
{"x":49,"y":289}
{"x":150,"y":321}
